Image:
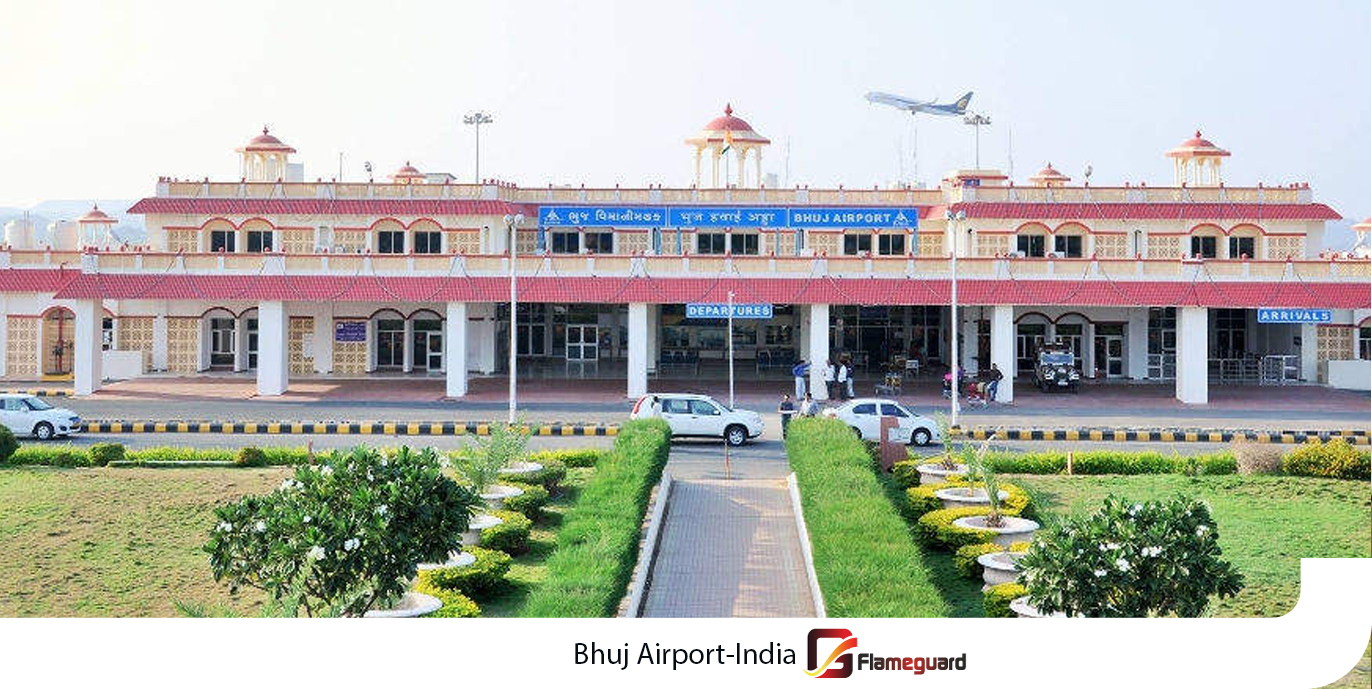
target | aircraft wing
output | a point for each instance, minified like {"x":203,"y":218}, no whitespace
{"x":897,"y":101}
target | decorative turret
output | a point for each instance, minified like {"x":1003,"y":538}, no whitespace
{"x":94,"y":229}
{"x":1197,"y":162}
{"x":723,"y":135}
{"x":408,"y":174}
{"x":1049,"y":177}
{"x":265,"y":158}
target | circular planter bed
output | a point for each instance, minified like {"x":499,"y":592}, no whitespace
{"x":999,"y":568}
{"x":521,"y":469}
{"x":455,"y":559}
{"x":479,"y":523}
{"x":1021,"y":607}
{"x":495,"y":496}
{"x":935,"y":474}
{"x":412,"y":604}
{"x":966,"y":497}
{"x":1012,"y":529}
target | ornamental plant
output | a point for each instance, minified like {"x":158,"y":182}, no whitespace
{"x":506,"y":444}
{"x":344,"y":535}
{"x":1130,"y":560}
{"x":980,"y":470}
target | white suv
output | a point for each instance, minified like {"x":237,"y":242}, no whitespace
{"x":864,"y":415}
{"x":29,"y":415}
{"x":700,"y":416}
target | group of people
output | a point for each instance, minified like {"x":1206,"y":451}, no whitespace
{"x":838,"y":378}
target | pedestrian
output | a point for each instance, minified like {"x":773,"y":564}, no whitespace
{"x":809,"y":407}
{"x":829,"y":379}
{"x":991,"y":387}
{"x":787,"y":410}
{"x":800,"y":371}
{"x":845,"y":381}
{"x":654,"y":407}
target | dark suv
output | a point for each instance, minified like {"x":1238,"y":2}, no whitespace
{"x":1056,"y":369}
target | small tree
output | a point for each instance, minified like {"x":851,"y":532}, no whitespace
{"x":507,"y":444}
{"x":979,"y":469}
{"x":1130,"y":560}
{"x":341,"y":536}
{"x":8,"y":444}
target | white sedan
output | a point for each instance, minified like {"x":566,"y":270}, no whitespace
{"x":865,"y":414}
{"x":699,"y":416}
{"x":29,"y":415}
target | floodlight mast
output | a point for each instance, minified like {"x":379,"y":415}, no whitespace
{"x":476,"y":119}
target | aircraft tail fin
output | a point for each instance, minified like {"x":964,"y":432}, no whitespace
{"x":961,"y":104}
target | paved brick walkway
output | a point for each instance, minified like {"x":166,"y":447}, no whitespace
{"x":729,"y":547}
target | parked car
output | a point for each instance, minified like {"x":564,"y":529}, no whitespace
{"x":29,"y":415}
{"x":700,"y":416}
{"x":1056,"y":368}
{"x":864,"y":415}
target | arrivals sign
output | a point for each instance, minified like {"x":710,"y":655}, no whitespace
{"x":782,"y":217}
{"x":755,"y":311}
{"x":1295,"y":316}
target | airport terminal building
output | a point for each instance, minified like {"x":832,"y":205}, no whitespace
{"x":1195,"y":284}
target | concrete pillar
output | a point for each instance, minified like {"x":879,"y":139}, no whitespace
{"x":455,"y":349}
{"x":1310,"y":367}
{"x":240,"y":344}
{"x":817,"y":328}
{"x":1003,"y":350}
{"x":1193,"y":351}
{"x":654,"y":327}
{"x":638,"y":350}
{"x":407,"y":347}
{"x":967,"y":349}
{"x":272,"y":370}
{"x":86,"y":364}
{"x":481,"y":338}
{"x":322,"y":336}
{"x":159,"y":342}
{"x":1136,"y":343}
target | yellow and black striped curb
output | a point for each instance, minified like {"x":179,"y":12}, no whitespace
{"x":340,"y":428}
{"x":1159,"y":436}
{"x":39,"y":393}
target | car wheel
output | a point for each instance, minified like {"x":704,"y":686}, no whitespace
{"x":857,"y":431}
{"x":920,"y":437}
{"x":735,"y":435}
{"x":43,"y":431}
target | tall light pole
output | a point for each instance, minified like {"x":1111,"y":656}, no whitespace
{"x":731,"y":349}
{"x":512,"y":222}
{"x":956,"y":366}
{"x":476,"y":119}
{"x":976,"y":121}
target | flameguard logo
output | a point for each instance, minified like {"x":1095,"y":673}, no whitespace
{"x":841,"y":663}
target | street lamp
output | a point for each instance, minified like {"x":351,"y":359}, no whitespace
{"x":476,"y":119}
{"x":976,"y":121}
{"x":956,"y":365}
{"x":512,"y":222}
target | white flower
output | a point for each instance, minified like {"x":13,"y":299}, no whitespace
{"x":326,"y":470}
{"x":288,"y":484}
{"x":260,"y":526}
{"x":316,"y":553}
{"x":369,"y":475}
{"x":1099,"y":573}
{"x":224,"y":527}
{"x":306,"y":519}
{"x":1152,"y":551}
{"x":1200,"y":530}
{"x":1122,"y":565}
{"x":381,"y":510}
{"x":351,"y":544}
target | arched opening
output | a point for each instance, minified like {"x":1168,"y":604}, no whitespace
{"x":220,"y":337}
{"x":1245,"y":242}
{"x":1070,"y":241}
{"x":388,"y":345}
{"x":59,"y":328}
{"x":426,"y":341}
{"x":1031,"y":240}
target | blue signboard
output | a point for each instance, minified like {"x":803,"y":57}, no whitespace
{"x":350,"y":331}
{"x":783,"y":217}
{"x":1295,"y":316}
{"x":757,"y":311}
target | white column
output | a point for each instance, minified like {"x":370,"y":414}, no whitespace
{"x":1003,"y":350}
{"x":323,"y":339}
{"x":1136,"y":346}
{"x":407,"y":347}
{"x":818,"y":330}
{"x":86,"y":365}
{"x":968,"y":348}
{"x":638,"y":350}
{"x":455,"y":349}
{"x":272,"y":371}
{"x":240,"y":344}
{"x":1193,"y":345}
{"x":481,"y":337}
{"x":1310,"y":343}
{"x":159,"y":342}
{"x":654,"y":325}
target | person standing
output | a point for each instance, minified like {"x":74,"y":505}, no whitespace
{"x":845,"y":387}
{"x":809,"y":407}
{"x":994,"y":383}
{"x":787,"y":409}
{"x":829,"y":379}
{"x":800,"y":372}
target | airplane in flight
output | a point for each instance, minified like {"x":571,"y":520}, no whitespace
{"x":929,"y":107}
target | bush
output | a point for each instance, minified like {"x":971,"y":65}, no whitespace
{"x":481,"y":467}
{"x":454,"y":603}
{"x":550,"y":476}
{"x":597,"y":545}
{"x":1333,"y":459}
{"x":483,"y":576}
{"x":996,"y":600}
{"x":343,"y":536}
{"x":936,"y":528}
{"x":906,"y":474}
{"x":8,"y":444}
{"x":66,"y":456}
{"x":101,"y":454}
{"x":510,"y":535}
{"x":965,"y":558}
{"x":1256,"y":458}
{"x":250,"y":457}
{"x":580,"y":457}
{"x":530,"y":503}
{"x":920,"y":501}
{"x":1097,"y":462}
{"x":1130,"y":560}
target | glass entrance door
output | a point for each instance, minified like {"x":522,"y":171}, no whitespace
{"x":223,"y":337}
{"x":434,"y":347}
{"x":390,"y":344}
{"x":1028,"y":337}
{"x":583,"y":343}
{"x":1110,"y":355}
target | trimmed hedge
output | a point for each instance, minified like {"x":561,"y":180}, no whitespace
{"x":965,"y":558}
{"x":65,"y":456}
{"x":1334,"y":459}
{"x":454,"y":603}
{"x":101,"y":454}
{"x":580,"y":457}
{"x":1097,"y":462}
{"x":922,"y":500}
{"x":75,"y":456}
{"x":250,"y":457}
{"x":550,"y":476}
{"x":996,"y":600}
{"x":906,"y":474}
{"x":530,"y":503}
{"x":510,"y":535}
{"x":480,"y":577}
{"x":597,"y":545}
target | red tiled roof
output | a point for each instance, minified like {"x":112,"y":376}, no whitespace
{"x":1147,"y":211}
{"x":36,"y":279}
{"x":620,"y":290}
{"x":325,"y":206}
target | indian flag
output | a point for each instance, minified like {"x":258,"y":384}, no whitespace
{"x":728,"y":141}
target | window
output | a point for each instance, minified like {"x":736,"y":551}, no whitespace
{"x":1030,"y":245}
{"x":893,"y":410}
{"x":1067,"y":246}
{"x":36,"y":404}
{"x":566,"y":242}
{"x":15,"y":404}
{"x":676,"y":336}
{"x":704,"y":408}
{"x":867,"y":409}
{"x":259,"y":241}
{"x":1230,"y":325}
{"x":428,"y":242}
{"x":855,"y":244}
{"x":1242,"y":247}
{"x":1365,"y":342}
{"x":672,"y":405}
{"x":778,"y":335}
{"x":1204,"y":247}
{"x":710,"y":243}
{"x":222,"y":240}
{"x":891,"y":245}
{"x":107,"y":333}
{"x":600,"y":242}
{"x":743,"y":244}
{"x":745,"y":334}
{"x":390,"y":242}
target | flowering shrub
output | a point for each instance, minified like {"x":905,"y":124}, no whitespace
{"x":342,"y":536}
{"x":482,"y":576}
{"x":996,"y":600}
{"x":1130,"y":560}
{"x":1334,"y":459}
{"x":454,"y":603}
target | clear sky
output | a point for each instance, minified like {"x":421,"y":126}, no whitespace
{"x":101,"y":98}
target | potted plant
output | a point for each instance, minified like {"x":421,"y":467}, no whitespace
{"x":1006,"y":530}
{"x":504,"y":447}
{"x":937,"y":472}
